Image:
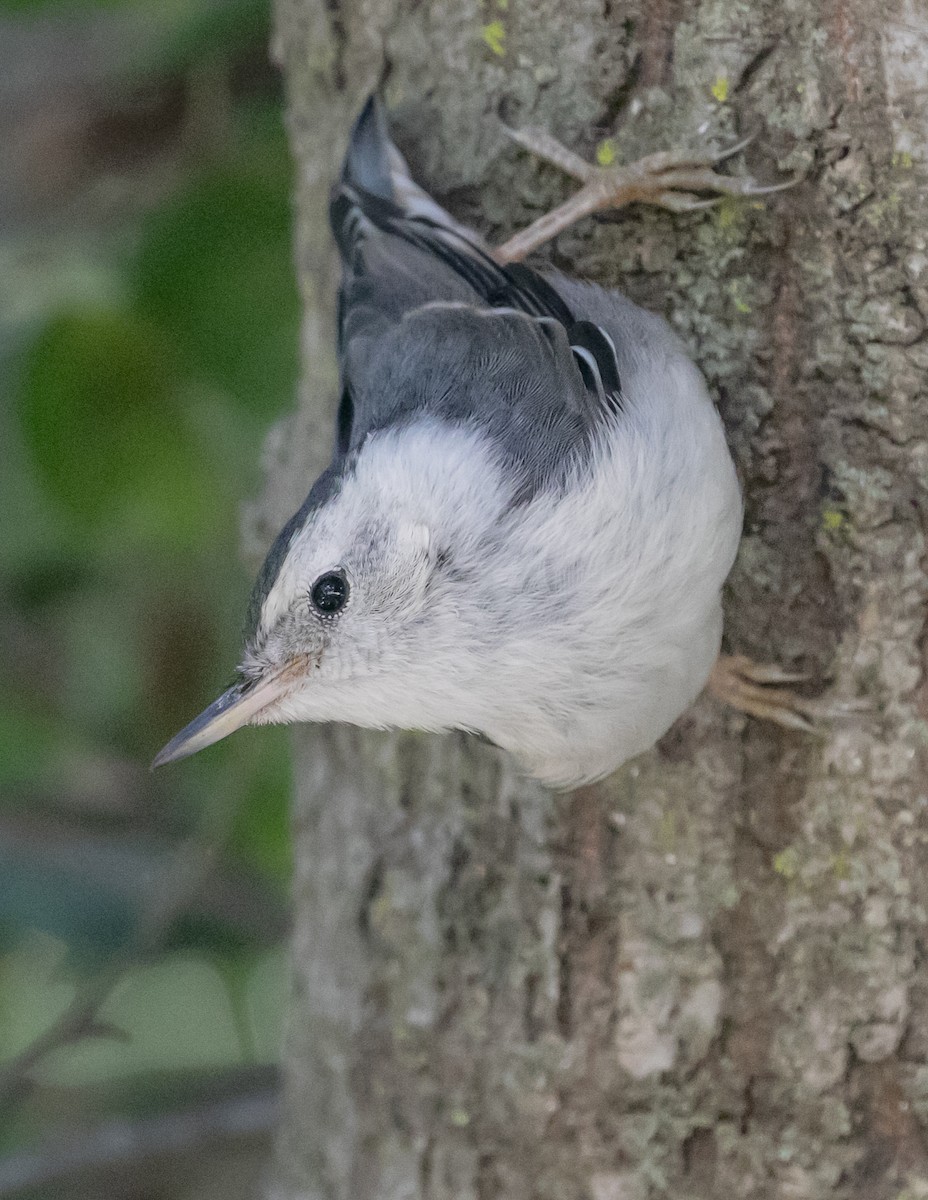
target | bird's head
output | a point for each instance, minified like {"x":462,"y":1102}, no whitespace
{"x":356,"y":613}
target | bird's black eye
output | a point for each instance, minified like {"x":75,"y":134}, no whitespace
{"x":330,"y":593}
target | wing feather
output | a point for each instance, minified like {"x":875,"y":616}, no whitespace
{"x":401,"y":251}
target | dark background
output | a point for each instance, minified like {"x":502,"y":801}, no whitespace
{"x":148,"y":341}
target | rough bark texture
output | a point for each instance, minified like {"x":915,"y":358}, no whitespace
{"x":705,"y":977}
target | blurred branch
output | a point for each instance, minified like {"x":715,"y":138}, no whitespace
{"x":121,"y":1143}
{"x":170,"y":899}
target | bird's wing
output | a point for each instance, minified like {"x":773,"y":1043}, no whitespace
{"x":429,"y":322}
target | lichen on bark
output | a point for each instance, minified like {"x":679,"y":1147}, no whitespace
{"x":705,"y":976}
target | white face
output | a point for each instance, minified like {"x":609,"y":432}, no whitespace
{"x":363,"y":621}
{"x":364,"y":604}
{"x":349,"y":595}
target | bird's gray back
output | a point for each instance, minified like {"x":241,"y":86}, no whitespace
{"x":495,"y":373}
{"x":431,"y":325}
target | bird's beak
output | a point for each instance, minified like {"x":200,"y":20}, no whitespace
{"x":236,"y":707}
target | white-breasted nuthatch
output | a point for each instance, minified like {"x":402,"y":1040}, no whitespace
{"x":529,"y":514}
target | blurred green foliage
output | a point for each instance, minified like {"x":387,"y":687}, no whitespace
{"x":224,"y":298}
{"x":99,"y":405}
{"x":140,"y":386}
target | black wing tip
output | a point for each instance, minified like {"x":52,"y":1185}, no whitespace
{"x":367,"y":161}
{"x":593,"y":340}
{"x":365,"y":187}
{"x":372,"y":112}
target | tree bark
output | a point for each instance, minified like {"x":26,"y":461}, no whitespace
{"x":704,"y":977}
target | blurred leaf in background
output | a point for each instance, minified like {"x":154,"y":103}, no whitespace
{"x":147,"y":344}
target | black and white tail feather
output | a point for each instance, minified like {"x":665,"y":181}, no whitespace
{"x":402,"y":251}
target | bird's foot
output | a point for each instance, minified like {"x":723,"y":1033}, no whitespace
{"x":759,"y":689}
{"x":675,"y":180}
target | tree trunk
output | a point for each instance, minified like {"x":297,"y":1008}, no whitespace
{"x":704,"y":977}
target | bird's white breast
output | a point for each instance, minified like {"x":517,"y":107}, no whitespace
{"x":612,"y":588}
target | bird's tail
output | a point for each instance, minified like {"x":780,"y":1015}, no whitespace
{"x":377,"y":196}
{"x":419,"y":254}
{"x":376,"y":184}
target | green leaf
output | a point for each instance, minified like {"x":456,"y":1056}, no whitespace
{"x":175,"y":1014}
{"x":33,"y":992}
{"x":98,"y":403}
{"x":215,"y":273}
{"x":184,"y":33}
{"x":93,"y":387}
{"x":37,"y":749}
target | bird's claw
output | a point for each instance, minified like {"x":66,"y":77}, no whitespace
{"x":541,"y":144}
{"x":759,"y":690}
{"x":677,"y":180}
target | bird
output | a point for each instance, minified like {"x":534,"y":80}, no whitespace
{"x":531,"y":508}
